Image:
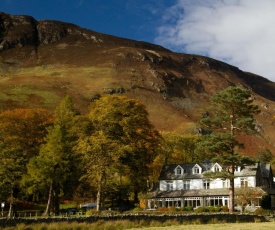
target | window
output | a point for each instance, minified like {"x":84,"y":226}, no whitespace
{"x":206,"y":184}
{"x":192,"y":201}
{"x":237,"y":169}
{"x":169,"y":185}
{"x":225,"y":183}
{"x":216,"y":168}
{"x":179,"y":170}
{"x":244,"y":183}
{"x":186,"y":184}
{"x":216,"y":201}
{"x":196,"y":170}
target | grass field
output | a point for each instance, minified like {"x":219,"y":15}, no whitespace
{"x":232,"y":226}
{"x":123,"y":225}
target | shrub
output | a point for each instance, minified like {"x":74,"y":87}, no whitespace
{"x":199,"y":210}
{"x":261,"y":211}
{"x":188,"y":208}
{"x":91,"y":212}
{"x":217,"y":209}
{"x":163,"y":209}
{"x":172,"y":209}
{"x":210,"y":209}
{"x":225,"y":209}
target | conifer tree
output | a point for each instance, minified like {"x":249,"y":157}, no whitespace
{"x":55,"y":164}
{"x":231,"y":113}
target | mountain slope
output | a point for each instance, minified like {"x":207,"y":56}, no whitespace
{"x":42,"y":61}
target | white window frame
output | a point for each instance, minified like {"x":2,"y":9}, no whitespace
{"x":206,"y":184}
{"x":186,"y":184}
{"x":179,"y":170}
{"x":169,"y":186}
{"x":243,"y":182}
{"x":196,"y":169}
{"x":225,"y":183}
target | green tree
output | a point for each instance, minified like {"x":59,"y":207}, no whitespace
{"x":55,"y":166}
{"x":264,"y":156}
{"x":231,"y":112}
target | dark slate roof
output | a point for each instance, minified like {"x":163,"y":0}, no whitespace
{"x":168,"y":171}
{"x":249,"y":170}
{"x":265,"y":168}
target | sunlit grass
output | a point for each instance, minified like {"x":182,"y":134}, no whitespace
{"x":59,"y":70}
{"x":227,"y":226}
{"x":22,"y":93}
{"x":47,"y":83}
{"x":138,"y":225}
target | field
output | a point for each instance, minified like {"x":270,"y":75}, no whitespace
{"x":238,"y":226}
{"x":123,"y":225}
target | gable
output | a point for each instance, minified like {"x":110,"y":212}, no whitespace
{"x":197,"y":169}
{"x":179,"y":170}
{"x":216,"y":168}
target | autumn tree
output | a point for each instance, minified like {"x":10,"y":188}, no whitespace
{"x":247,"y":195}
{"x":21,"y":134}
{"x":177,"y":148}
{"x":231,"y":113}
{"x":57,"y":163}
{"x":174,"y":149}
{"x":130,"y":141}
{"x":100,"y":157}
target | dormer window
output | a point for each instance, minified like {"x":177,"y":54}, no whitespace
{"x":179,"y":170}
{"x":238,"y":169}
{"x":216,"y":168}
{"x":196,"y":169}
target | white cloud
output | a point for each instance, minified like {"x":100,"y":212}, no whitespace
{"x":239,"y":32}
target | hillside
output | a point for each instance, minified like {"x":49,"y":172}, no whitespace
{"x":42,"y":61}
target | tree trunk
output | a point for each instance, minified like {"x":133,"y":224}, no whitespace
{"x":48,"y":208}
{"x":99,"y":191}
{"x":98,"y":199}
{"x":136,"y":196}
{"x":231,"y":193}
{"x":11,"y":211}
{"x":55,"y":201}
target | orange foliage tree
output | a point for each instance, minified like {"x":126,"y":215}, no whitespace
{"x":21,"y":134}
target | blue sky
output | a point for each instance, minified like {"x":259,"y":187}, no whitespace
{"x":134,"y":19}
{"x":238,"y":32}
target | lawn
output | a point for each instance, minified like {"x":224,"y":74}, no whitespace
{"x":228,"y":226}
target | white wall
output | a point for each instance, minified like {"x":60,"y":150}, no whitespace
{"x":251,"y":181}
{"x":198,"y":183}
